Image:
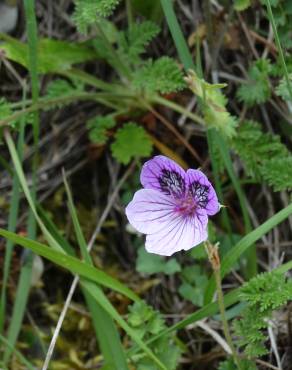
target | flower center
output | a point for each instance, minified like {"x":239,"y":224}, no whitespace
{"x":186,"y":206}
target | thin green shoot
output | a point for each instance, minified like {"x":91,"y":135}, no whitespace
{"x":277,"y":39}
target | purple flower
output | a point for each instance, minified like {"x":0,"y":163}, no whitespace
{"x":173,"y":208}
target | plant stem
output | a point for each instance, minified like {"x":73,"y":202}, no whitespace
{"x":277,"y":39}
{"x":226,"y":330}
{"x":44,"y":103}
{"x":214,"y":258}
{"x":129,"y":13}
{"x":121,"y":68}
{"x":177,"y":108}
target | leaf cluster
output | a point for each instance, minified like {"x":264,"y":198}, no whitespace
{"x":87,"y":12}
{"x":133,"y":41}
{"x":263,"y":294}
{"x":229,"y":364}
{"x":282,"y":12}
{"x":283,"y":90}
{"x":149,"y":76}
{"x":98,"y":128}
{"x":62,"y":88}
{"x":146,"y":322}
{"x":123,"y":50}
{"x":264,"y":156}
{"x":131,"y":141}
{"x":5,"y":108}
{"x":257,"y":89}
{"x":6,"y":111}
{"x":162,"y":75}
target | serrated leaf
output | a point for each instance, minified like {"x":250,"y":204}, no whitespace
{"x":148,"y":323}
{"x":264,"y":156}
{"x":98,"y":128}
{"x":278,"y":173}
{"x":61,"y":88}
{"x":162,"y":75}
{"x":257,"y":89}
{"x":132,"y":43}
{"x":131,"y":141}
{"x":53,"y":55}
{"x":5,"y":108}
{"x":5,"y":112}
{"x":263,"y":294}
{"x":86,"y":12}
{"x":282,"y":89}
{"x":230,"y":365}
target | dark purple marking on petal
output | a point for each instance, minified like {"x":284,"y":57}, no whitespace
{"x":200,"y":192}
{"x":172,"y":183}
{"x":163,"y":174}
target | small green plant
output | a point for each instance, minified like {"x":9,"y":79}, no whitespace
{"x":131,"y":141}
{"x":98,"y":128}
{"x":257,"y":90}
{"x":263,"y":294}
{"x":264,"y":156}
{"x":87,"y":11}
{"x":146,"y":322}
{"x":130,"y":88}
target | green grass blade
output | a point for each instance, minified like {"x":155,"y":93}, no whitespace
{"x":278,"y":43}
{"x":77,"y":228}
{"x":102,"y":300}
{"x":53,"y":230}
{"x":31,"y":27}
{"x":12,"y":223}
{"x":27,"y":193}
{"x":251,"y":266}
{"x":105,"y":329}
{"x":26,"y":271}
{"x":211,"y":133}
{"x":24,"y":361}
{"x":177,"y":35}
{"x":71,"y":263}
{"x":242,"y":246}
{"x":107,"y":335}
{"x":19,"y":306}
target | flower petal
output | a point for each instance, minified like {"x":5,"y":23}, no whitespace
{"x":202,"y":191}
{"x":150,"y":211}
{"x":163,"y":174}
{"x":180,"y":233}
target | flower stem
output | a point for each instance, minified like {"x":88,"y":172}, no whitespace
{"x":223,"y":318}
{"x":212,"y":251}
